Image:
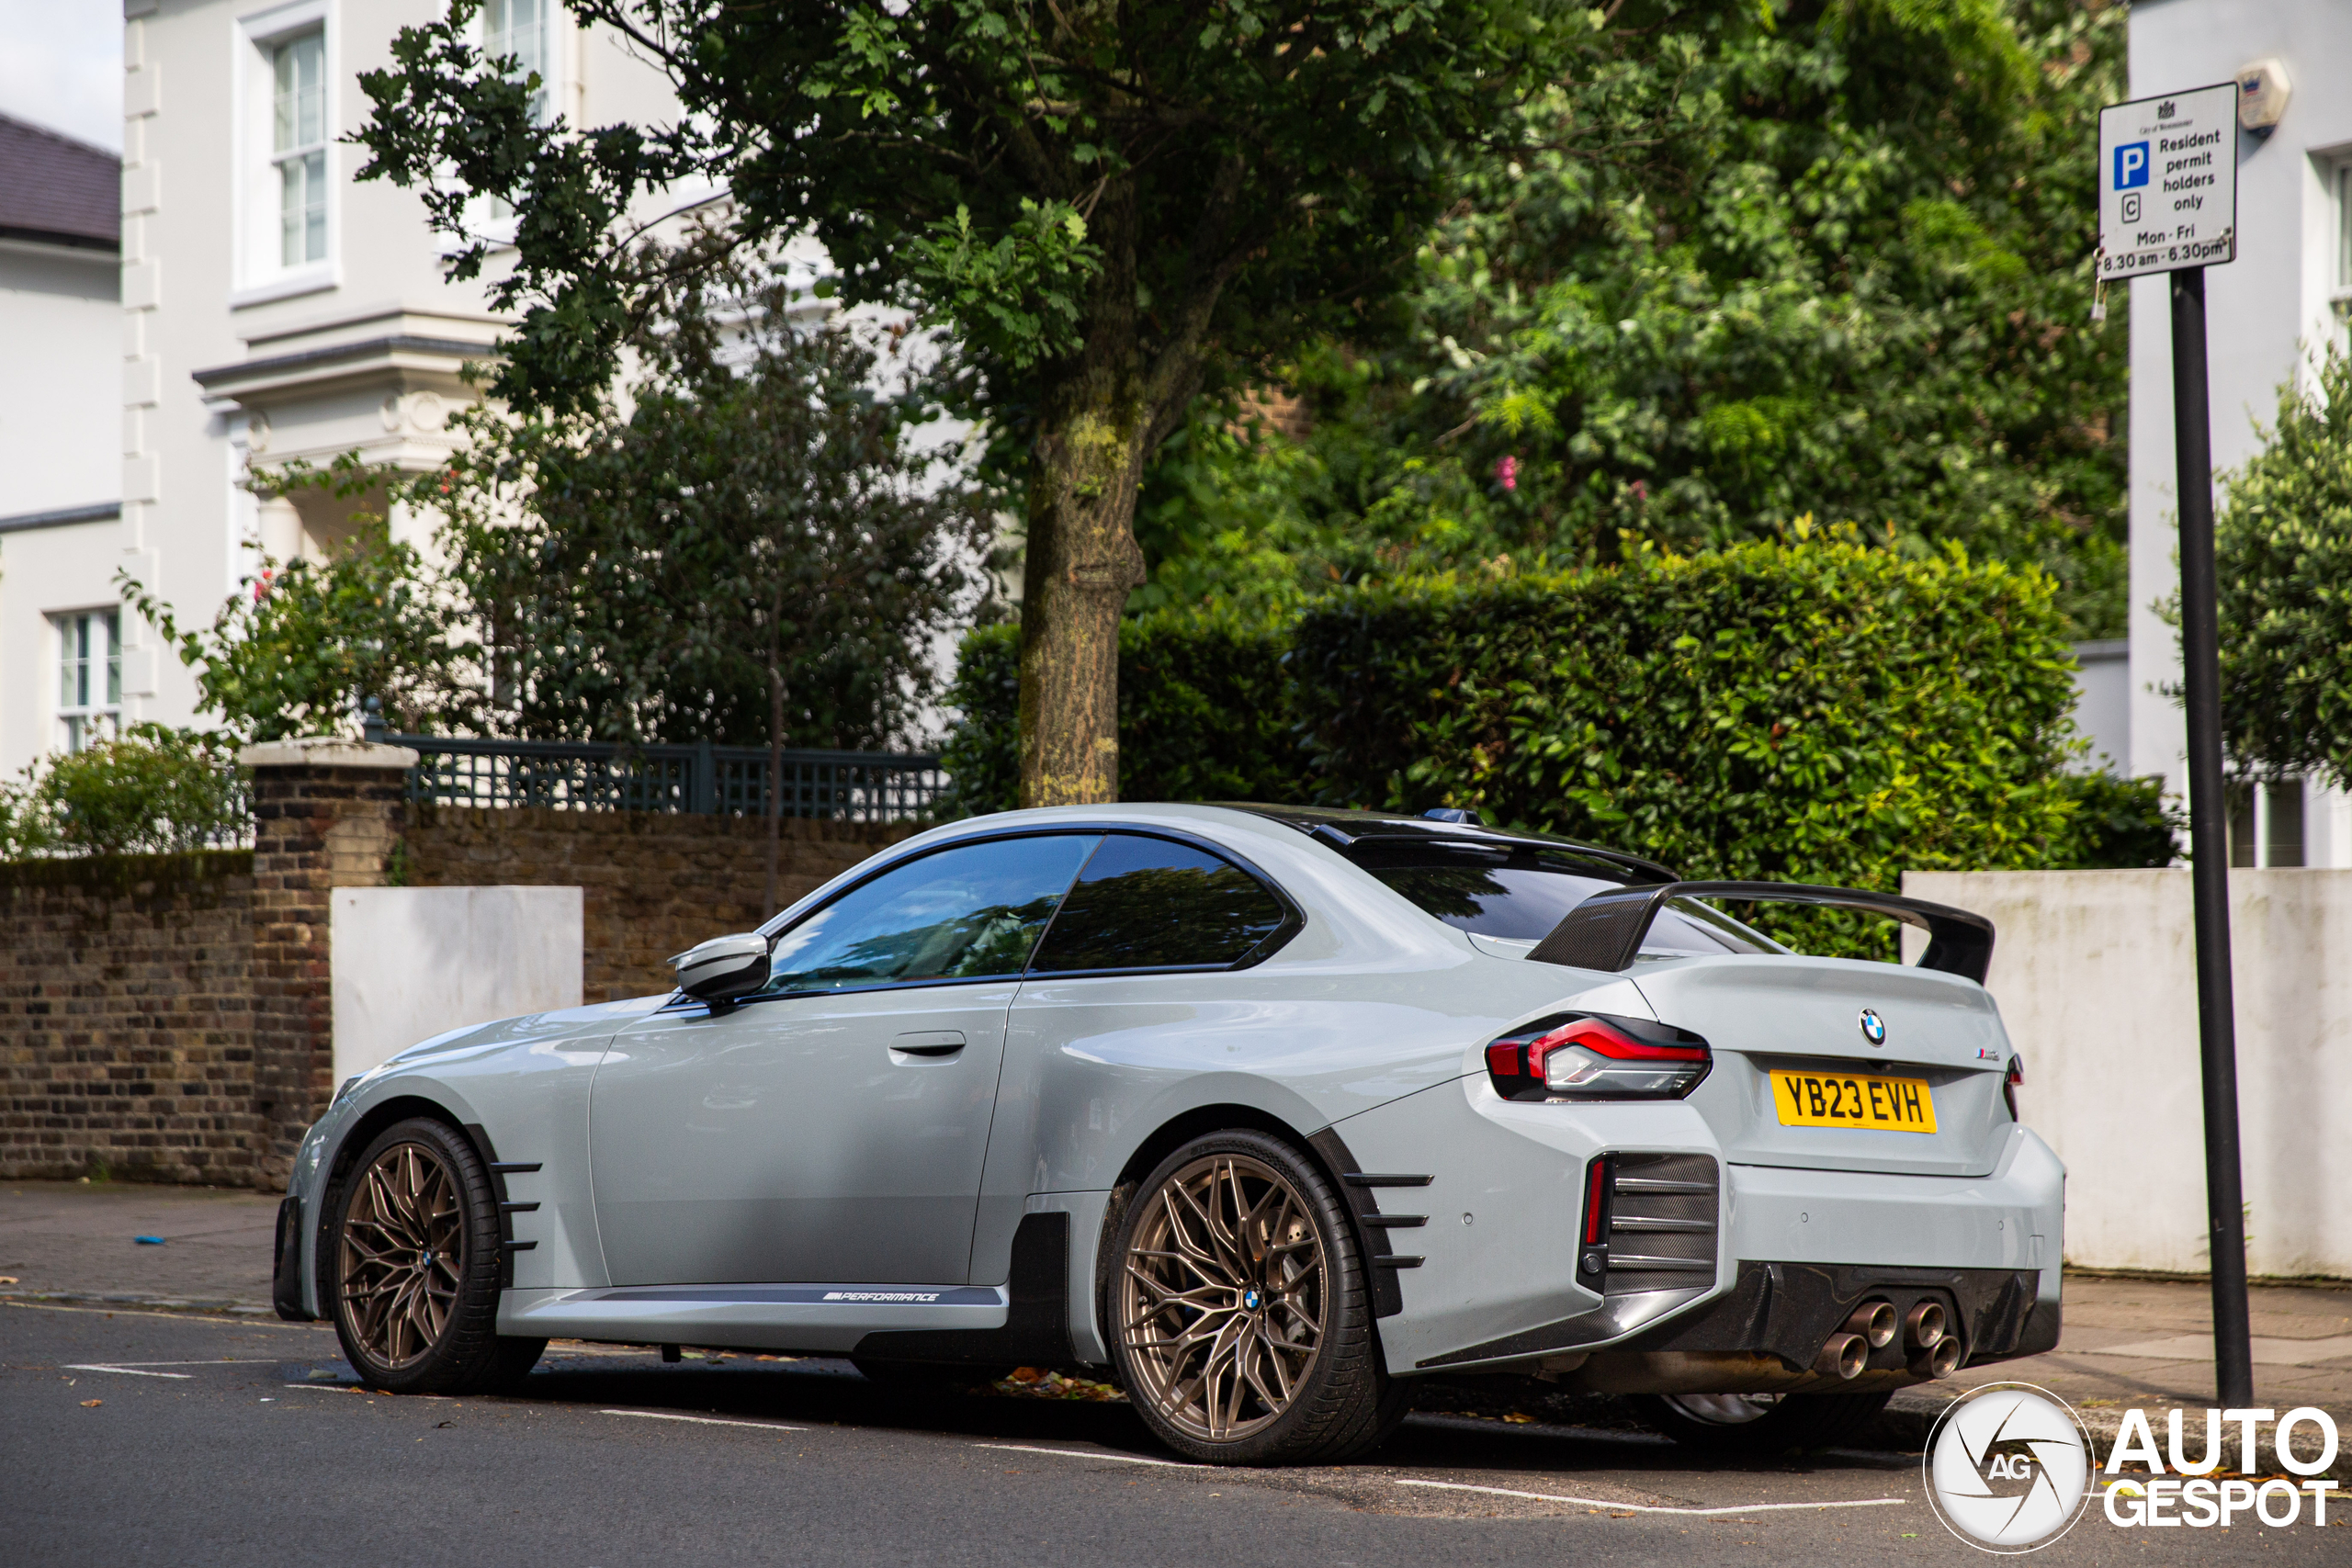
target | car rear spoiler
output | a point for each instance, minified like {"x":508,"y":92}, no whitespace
{"x":1605,"y":931}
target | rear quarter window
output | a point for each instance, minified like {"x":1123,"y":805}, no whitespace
{"x":1153,"y":903}
{"x":1519,"y":895}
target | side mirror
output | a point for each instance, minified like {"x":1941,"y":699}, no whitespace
{"x":724,"y":967}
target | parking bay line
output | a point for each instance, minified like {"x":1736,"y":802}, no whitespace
{"x":1651,"y":1507}
{"x":126,"y":1372}
{"x":705,"y":1420}
{"x":1082,"y":1453}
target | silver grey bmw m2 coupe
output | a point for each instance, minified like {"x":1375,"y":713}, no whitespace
{"x":1268,"y":1110}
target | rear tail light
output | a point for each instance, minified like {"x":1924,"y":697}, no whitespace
{"x":1590,"y":1058}
{"x":2012,"y":1083}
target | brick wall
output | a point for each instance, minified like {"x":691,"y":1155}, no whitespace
{"x":653,"y":885}
{"x":168,"y":1018}
{"x":126,"y":1021}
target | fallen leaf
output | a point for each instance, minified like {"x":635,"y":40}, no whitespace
{"x":8,"y":1278}
{"x":92,"y":1404}
{"x":1520,"y":1419}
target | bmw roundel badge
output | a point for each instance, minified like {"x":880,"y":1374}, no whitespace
{"x":1873,"y":1028}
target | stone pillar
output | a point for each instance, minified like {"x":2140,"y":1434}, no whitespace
{"x":326,"y":815}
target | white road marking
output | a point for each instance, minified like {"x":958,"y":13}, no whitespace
{"x":705,"y":1420}
{"x":205,"y":1362}
{"x":126,"y":1372}
{"x":1082,"y":1453}
{"x":1649,"y":1507}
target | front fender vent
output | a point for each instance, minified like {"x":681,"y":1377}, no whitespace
{"x":1662,"y":1217}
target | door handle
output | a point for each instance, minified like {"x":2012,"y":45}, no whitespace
{"x":931,"y":1043}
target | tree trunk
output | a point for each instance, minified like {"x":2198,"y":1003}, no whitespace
{"x":1082,"y":562}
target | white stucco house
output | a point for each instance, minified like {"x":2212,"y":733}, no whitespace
{"x":60,"y":466}
{"x":2269,"y":314}
{"x":268,"y":308}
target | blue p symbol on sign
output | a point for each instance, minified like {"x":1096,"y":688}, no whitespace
{"x":2131,"y":165}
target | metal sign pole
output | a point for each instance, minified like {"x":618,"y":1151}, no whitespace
{"x":2209,"y":841}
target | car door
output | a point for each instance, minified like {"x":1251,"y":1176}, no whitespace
{"x":1135,"y":986}
{"x":831,"y":1127}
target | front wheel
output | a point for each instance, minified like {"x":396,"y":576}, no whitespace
{"x":1760,"y":1422}
{"x":1241,"y":1323}
{"x":414,"y":1275}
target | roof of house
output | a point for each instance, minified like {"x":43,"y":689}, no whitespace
{"x":56,"y":189}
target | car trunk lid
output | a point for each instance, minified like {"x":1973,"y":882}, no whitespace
{"x":1941,"y":1039}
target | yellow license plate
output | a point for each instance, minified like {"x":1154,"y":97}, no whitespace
{"x":1853,"y":1100}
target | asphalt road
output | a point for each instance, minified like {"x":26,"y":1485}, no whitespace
{"x":221,"y":1441}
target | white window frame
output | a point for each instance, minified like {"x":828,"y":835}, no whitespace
{"x":259,"y":267}
{"x":487,"y":219}
{"x":80,"y":721}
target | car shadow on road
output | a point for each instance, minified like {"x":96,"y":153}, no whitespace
{"x":822,"y":1391}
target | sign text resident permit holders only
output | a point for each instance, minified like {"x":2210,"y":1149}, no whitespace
{"x":2168,"y":183}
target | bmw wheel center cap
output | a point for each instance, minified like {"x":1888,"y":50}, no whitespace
{"x":1873,"y":1027}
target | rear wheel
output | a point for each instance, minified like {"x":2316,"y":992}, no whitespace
{"x":1241,"y":1323}
{"x":1760,"y":1422}
{"x":413,"y":1277}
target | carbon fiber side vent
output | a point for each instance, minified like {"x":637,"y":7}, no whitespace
{"x":1662,"y":1212}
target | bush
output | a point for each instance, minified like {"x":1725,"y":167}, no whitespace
{"x":153,"y":790}
{"x":1204,"y":712}
{"x":2283,"y":544}
{"x":1809,"y":711}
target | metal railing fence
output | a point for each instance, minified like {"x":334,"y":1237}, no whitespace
{"x":701,"y":779}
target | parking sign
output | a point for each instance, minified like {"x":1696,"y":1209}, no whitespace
{"x":2168,"y":182}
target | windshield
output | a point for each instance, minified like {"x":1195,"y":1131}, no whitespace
{"x":1518,"y":894}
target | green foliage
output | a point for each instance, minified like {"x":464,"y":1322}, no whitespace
{"x":2283,"y":544}
{"x":1744,"y":264}
{"x":1808,"y":710}
{"x":302,"y":644}
{"x":745,"y":543}
{"x":1204,"y":712}
{"x":151,"y":790}
{"x":1152,"y":182}
{"x":2122,"y":824}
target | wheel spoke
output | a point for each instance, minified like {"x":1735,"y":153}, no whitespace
{"x":404,"y":1254}
{"x":1222,"y":1297}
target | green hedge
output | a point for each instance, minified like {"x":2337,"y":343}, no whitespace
{"x":1812,"y":710}
{"x":1204,"y":712}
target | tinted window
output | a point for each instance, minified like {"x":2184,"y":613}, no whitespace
{"x":1521,"y":894}
{"x":961,"y":914}
{"x":1150,"y":903}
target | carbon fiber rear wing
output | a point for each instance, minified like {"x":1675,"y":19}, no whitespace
{"x":1605,"y":931}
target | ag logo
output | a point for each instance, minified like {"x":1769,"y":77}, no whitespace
{"x":2008,"y":1468}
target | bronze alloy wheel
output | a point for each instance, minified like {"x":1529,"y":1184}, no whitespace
{"x":404,"y":1254}
{"x":1223,"y":1297}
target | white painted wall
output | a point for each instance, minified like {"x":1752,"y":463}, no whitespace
{"x":411,"y":963}
{"x":2095,"y":975}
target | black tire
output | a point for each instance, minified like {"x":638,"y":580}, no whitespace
{"x":1341,"y":1403}
{"x":1790,"y":1421}
{"x":929,"y":1377}
{"x":412,"y":1319}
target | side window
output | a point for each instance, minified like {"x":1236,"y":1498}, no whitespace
{"x":961,"y":914}
{"x":1150,"y":903}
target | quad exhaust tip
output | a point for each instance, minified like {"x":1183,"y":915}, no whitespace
{"x":1875,"y":1321}
{"x":1842,"y":1357}
{"x":1938,"y":1360}
{"x":1924,"y":1327}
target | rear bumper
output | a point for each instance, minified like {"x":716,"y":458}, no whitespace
{"x":1798,"y":1251}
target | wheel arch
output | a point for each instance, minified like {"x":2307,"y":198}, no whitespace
{"x":1318,"y":1149}
{"x":354,"y":1140}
